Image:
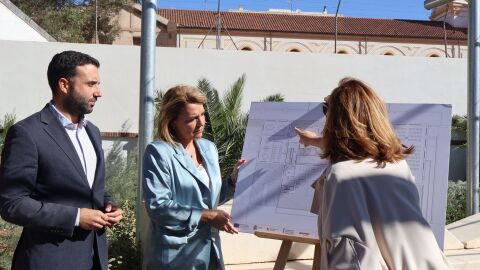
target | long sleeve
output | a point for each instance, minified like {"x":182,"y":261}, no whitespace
{"x":158,"y":189}
{"x":18,"y":177}
{"x":371,"y":219}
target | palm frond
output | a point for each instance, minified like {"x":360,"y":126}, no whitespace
{"x":212,"y":106}
{"x":210,"y":92}
{"x":159,"y":94}
{"x":232,"y":100}
{"x":274,"y":98}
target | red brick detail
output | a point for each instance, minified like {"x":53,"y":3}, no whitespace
{"x":109,"y":134}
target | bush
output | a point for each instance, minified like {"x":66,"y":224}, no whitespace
{"x":456,"y":201}
{"x":121,"y":175}
{"x":124,"y":253}
{"x":459,"y":122}
{"x":121,"y":180}
{"x":5,"y":123}
{"x":9,"y":235}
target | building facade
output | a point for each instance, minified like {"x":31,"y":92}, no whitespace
{"x":305,"y":32}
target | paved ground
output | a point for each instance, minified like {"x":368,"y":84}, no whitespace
{"x":292,"y":265}
{"x":462,"y":249}
{"x":467,"y":259}
{"x":464,"y":259}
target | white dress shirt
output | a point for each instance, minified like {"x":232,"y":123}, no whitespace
{"x":83,"y":146}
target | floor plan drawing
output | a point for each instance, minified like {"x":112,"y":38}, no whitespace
{"x":274,"y":187}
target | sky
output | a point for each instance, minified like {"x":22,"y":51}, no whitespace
{"x":392,"y":9}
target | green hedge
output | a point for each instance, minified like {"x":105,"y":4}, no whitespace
{"x":124,"y":253}
{"x":9,"y":235}
{"x":456,"y":201}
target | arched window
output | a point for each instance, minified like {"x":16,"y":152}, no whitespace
{"x":246,"y":48}
{"x":388,"y":54}
{"x":342,"y":52}
{"x":294,"y":50}
{"x":434,"y":55}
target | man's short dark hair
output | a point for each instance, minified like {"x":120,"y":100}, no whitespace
{"x":63,"y":65}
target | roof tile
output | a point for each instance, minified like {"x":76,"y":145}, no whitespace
{"x":313,"y":24}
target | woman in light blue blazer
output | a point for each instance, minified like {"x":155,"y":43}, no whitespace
{"x":182,"y":188}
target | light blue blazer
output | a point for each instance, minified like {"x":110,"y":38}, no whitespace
{"x":175,"y":195}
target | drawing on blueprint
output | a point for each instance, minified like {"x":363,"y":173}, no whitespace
{"x":274,"y":188}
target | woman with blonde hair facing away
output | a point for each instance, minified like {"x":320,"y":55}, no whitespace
{"x":367,"y":203}
{"x":182,"y":188}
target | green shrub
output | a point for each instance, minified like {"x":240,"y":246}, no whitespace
{"x":5,"y":123}
{"x":456,"y":201}
{"x":121,"y":179}
{"x":124,"y":254}
{"x":459,"y":122}
{"x":9,"y":235}
{"x":121,"y":174}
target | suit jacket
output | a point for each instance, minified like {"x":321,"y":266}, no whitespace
{"x":175,"y":195}
{"x":42,"y":185}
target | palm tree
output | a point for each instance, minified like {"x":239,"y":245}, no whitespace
{"x":226,"y":123}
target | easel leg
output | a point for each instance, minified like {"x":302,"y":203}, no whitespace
{"x":316,"y":258}
{"x":283,"y":255}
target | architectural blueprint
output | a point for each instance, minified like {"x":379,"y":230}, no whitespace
{"x":274,"y":190}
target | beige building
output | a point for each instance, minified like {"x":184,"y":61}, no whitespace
{"x":281,"y":30}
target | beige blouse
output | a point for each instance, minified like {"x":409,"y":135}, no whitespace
{"x":369,"y":218}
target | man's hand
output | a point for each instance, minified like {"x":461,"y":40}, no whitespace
{"x":114,"y":214}
{"x":219,"y":219}
{"x":92,"y":219}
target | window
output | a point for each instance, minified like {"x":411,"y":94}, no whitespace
{"x":137,"y":41}
{"x":246,"y":48}
{"x":342,"y":52}
{"x":434,"y":55}
{"x":388,"y":54}
{"x":294,"y":50}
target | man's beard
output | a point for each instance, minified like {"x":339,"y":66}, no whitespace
{"x":76,"y":104}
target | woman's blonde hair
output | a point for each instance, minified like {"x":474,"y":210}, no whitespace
{"x":175,"y":100}
{"x":357,"y":126}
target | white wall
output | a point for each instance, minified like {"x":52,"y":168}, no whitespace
{"x":14,"y":28}
{"x":300,"y":77}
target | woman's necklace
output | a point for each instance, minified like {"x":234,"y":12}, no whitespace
{"x":192,"y":153}
{"x":193,"y":156}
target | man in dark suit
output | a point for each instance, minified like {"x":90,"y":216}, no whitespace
{"x":52,"y":175}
